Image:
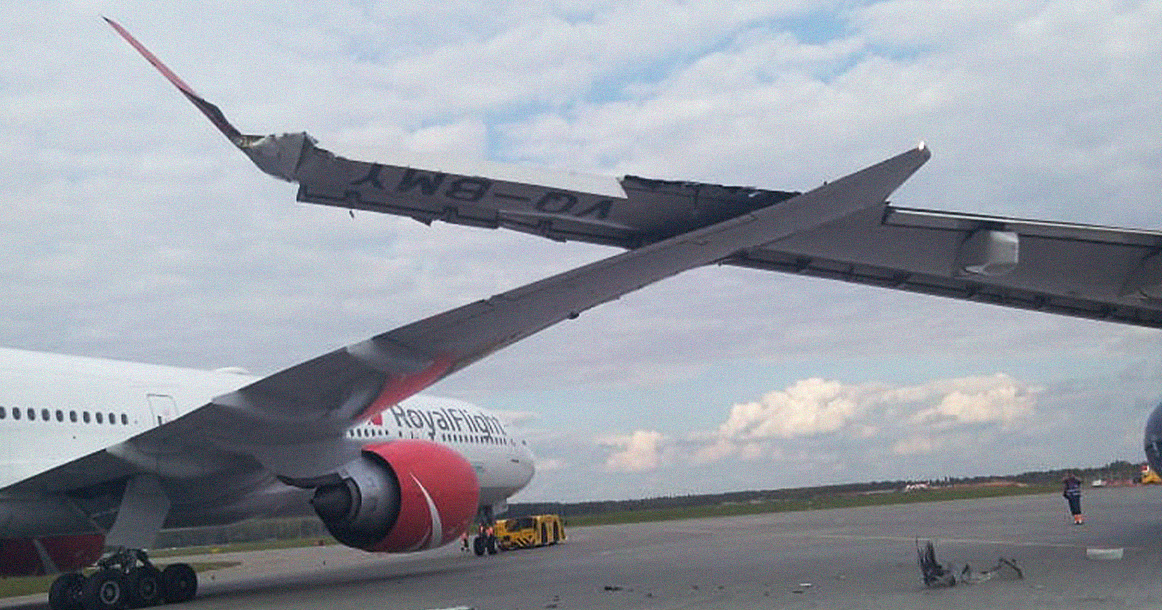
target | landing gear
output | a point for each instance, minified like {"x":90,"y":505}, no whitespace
{"x":179,"y":583}
{"x":104,"y":590}
{"x":485,"y":541}
{"x":124,"y":579}
{"x":65,"y":592}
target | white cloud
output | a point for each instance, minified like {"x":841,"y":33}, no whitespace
{"x":640,"y":451}
{"x":809,"y":407}
{"x":999,"y":399}
{"x":911,"y":419}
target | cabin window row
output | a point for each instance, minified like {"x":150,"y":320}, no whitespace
{"x":467,"y":438}
{"x":448,"y":438}
{"x":75,"y":417}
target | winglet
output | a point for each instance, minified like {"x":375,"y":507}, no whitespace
{"x":211,"y":111}
{"x":278,"y":156}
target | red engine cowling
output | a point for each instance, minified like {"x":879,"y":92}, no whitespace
{"x":405,"y":495}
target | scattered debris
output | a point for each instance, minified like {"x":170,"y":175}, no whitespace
{"x":612,"y":588}
{"x":934,"y":574}
{"x":1006,"y":569}
{"x":937,"y":575}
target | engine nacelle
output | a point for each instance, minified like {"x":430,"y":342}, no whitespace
{"x":1153,"y":439}
{"x":400,"y":496}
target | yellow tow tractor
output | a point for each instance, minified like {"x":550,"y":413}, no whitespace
{"x":529,"y":532}
{"x":1149,"y":477}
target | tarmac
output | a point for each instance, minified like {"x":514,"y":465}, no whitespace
{"x":846,"y":558}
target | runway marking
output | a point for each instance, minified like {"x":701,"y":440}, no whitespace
{"x":1061,"y":545}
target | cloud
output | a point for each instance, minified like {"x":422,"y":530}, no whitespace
{"x":640,"y":451}
{"x":999,"y":399}
{"x":911,"y":419}
{"x":809,"y":407}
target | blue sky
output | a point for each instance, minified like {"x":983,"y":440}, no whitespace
{"x":132,"y":230}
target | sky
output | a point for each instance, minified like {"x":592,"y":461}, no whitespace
{"x":132,"y":230}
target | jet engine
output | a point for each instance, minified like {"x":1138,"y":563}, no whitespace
{"x":400,"y":496}
{"x":1153,"y":440}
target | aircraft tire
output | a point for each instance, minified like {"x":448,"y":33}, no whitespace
{"x":144,"y":584}
{"x":65,"y":592}
{"x":479,"y":546}
{"x":491,"y":545}
{"x":104,"y":590}
{"x":179,"y":583}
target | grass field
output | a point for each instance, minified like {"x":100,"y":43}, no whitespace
{"x":817,"y":503}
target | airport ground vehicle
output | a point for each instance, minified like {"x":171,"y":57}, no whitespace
{"x":528,"y":532}
{"x":1149,"y":476}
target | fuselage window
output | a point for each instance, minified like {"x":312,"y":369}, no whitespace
{"x":15,"y":413}
{"x":60,"y":415}
{"x":124,"y":419}
{"x":112,"y":418}
{"x":73,"y":416}
{"x":44,"y":415}
{"x":85,"y":416}
{"x":3,"y":413}
{"x":31,"y":414}
{"x":99,"y":416}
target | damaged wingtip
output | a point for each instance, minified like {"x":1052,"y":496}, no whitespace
{"x":211,"y":111}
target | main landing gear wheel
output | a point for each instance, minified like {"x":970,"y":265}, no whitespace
{"x":125,"y":579}
{"x":65,"y":592}
{"x":104,"y":590}
{"x":144,"y":583}
{"x":484,"y":543}
{"x":179,"y":583}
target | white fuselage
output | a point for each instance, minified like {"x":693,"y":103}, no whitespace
{"x":55,"y":409}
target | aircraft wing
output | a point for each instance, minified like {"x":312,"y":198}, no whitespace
{"x":292,"y":422}
{"x":321,"y":397}
{"x":1077,"y":270}
{"x":627,"y":212}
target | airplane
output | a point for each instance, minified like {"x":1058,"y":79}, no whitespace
{"x":99,"y":455}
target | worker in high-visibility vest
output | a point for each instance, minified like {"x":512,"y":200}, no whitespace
{"x":1072,"y":494}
